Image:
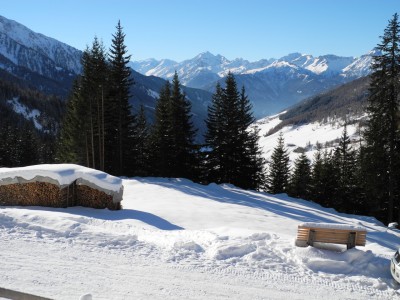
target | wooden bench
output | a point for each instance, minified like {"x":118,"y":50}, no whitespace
{"x":310,"y":233}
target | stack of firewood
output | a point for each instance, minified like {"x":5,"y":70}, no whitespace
{"x":31,"y":194}
{"x":89,"y":197}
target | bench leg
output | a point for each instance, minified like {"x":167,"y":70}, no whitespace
{"x":311,"y":237}
{"x":351,"y":243}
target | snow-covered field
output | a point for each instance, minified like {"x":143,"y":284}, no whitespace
{"x":305,"y":136}
{"x":178,"y":240}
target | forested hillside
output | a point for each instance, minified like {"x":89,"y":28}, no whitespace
{"x":29,"y":124}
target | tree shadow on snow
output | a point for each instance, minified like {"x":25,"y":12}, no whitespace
{"x":297,"y":209}
{"x":116,"y":215}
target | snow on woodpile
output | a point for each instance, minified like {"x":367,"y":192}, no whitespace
{"x":59,"y":185}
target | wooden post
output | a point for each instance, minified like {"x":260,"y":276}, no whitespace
{"x":351,"y":241}
{"x":311,"y":237}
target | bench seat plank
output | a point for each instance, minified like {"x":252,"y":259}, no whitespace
{"x":308,"y":233}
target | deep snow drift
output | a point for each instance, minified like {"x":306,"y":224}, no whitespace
{"x":178,"y":240}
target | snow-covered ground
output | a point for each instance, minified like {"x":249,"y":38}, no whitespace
{"x":178,"y":240}
{"x":304,"y":136}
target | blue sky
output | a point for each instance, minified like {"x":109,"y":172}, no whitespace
{"x":181,"y":29}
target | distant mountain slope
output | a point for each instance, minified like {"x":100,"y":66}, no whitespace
{"x":34,"y":57}
{"x":32,"y":61}
{"x":145,"y":92}
{"x":346,"y":101}
{"x":272,"y":84}
{"x":319,"y":119}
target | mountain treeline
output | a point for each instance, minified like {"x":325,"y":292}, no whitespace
{"x":366,"y":181}
{"x":21,"y":143}
{"x":101,"y":131}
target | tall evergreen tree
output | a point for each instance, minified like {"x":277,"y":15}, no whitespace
{"x":160,"y":137}
{"x":70,"y":146}
{"x":182,"y":133}
{"x":141,"y":149}
{"x":347,"y":173}
{"x":82,"y":136}
{"x":173,"y":134}
{"x":325,"y":178}
{"x":251,"y":171}
{"x":300,"y":180}
{"x":91,"y":92}
{"x":278,"y":175}
{"x":233,"y":153}
{"x":215,"y":136}
{"x":381,"y":157}
{"x":119,"y":125}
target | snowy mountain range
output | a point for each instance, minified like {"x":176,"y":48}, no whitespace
{"x":34,"y":61}
{"x":50,"y":66}
{"x":38,"y":59}
{"x":272,"y":84}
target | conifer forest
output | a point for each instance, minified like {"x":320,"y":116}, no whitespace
{"x":101,"y":130}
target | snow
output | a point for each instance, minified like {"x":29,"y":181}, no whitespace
{"x":332,"y":226}
{"x":60,"y":53}
{"x":64,"y":174}
{"x":347,"y":67}
{"x":175,"y":239}
{"x":153,"y":94}
{"x":28,"y":114}
{"x":304,"y":136}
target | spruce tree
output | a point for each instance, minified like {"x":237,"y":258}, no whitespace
{"x":215,"y":136}
{"x":119,"y":125}
{"x":278,"y":175}
{"x":317,"y":176}
{"x":160,"y":136}
{"x":91,"y":92}
{"x":141,"y":149}
{"x":82,"y":135}
{"x":233,"y":155}
{"x":71,"y":143}
{"x":250,"y":160}
{"x":381,"y":155}
{"x":183,"y":149}
{"x":347,"y":172}
{"x":173,"y":134}
{"x":300,"y":180}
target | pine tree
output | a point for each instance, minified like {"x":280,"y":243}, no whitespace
{"x":160,"y":137}
{"x":251,"y":172}
{"x":173,"y":133}
{"x":381,"y":157}
{"x":119,"y":121}
{"x":91,"y":93}
{"x":278,"y":175}
{"x":82,"y":136}
{"x":347,"y":172}
{"x":71,"y":143}
{"x":233,"y":154}
{"x":331,"y":179}
{"x":215,"y":136}
{"x":141,"y":149}
{"x":300,"y":180}
{"x":317,"y":176}
{"x":183,"y":149}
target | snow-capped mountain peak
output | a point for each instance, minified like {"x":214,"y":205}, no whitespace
{"x":219,"y":66}
{"x":35,"y":51}
{"x":272,"y":84}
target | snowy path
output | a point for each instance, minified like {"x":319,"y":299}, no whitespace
{"x":66,"y":271}
{"x":178,"y":240}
